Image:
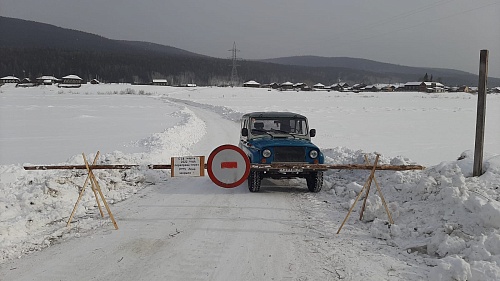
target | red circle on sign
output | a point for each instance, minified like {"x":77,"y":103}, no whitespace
{"x":228,"y":164}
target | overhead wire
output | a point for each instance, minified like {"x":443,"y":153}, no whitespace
{"x":402,"y":16}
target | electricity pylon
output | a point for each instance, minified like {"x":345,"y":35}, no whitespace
{"x":234,"y":72}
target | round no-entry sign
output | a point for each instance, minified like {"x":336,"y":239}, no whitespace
{"x":228,"y":166}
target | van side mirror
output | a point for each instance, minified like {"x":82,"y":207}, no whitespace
{"x":244,"y":132}
{"x":312,"y":133}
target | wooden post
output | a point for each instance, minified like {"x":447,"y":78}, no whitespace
{"x":81,"y":193}
{"x":93,"y":185}
{"x":368,"y":188}
{"x":481,"y":114}
{"x":368,"y":182}
{"x":98,"y":188}
{"x":381,"y":195}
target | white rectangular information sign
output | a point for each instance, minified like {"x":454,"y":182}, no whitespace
{"x":188,"y":166}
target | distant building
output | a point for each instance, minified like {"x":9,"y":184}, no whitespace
{"x":286,"y":86}
{"x":413,"y":87}
{"x":301,"y":87}
{"x":46,"y":80}
{"x":251,"y":84}
{"x":71,"y":81}
{"x":434,"y":87}
{"x":380,"y":88}
{"x":94,"y":81}
{"x":358,"y":87}
{"x":426,"y":87}
{"x":318,"y":86}
{"x":340,"y":87}
{"x":160,"y":82}
{"x":9,"y":79}
{"x":274,"y":85}
{"x":26,"y":82}
{"x":464,"y":89}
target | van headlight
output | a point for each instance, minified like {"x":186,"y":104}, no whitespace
{"x":313,"y":154}
{"x":266,"y":153}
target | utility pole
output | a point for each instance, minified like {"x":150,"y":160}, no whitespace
{"x":481,"y":114}
{"x":234,"y":72}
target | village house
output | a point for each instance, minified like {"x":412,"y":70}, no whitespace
{"x":46,"y":80}
{"x":301,"y":87}
{"x":318,"y":86}
{"x":71,"y":81}
{"x":251,"y":84}
{"x":358,"y":87}
{"x":9,"y":79}
{"x":298,"y":86}
{"x":434,"y":87}
{"x":26,"y":82}
{"x":464,"y":89}
{"x":380,"y":88}
{"x":272,"y":85}
{"x":339,"y":87}
{"x":160,"y":82}
{"x":413,"y":87}
{"x":286,"y":86}
{"x":425,"y":87}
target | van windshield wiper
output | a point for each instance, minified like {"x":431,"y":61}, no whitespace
{"x":284,"y":132}
{"x":262,"y":131}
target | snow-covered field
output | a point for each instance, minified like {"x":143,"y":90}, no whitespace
{"x":446,"y":221}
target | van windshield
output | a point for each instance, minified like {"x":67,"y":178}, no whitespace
{"x":291,"y":126}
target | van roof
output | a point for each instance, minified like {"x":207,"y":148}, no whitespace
{"x":271,"y":114}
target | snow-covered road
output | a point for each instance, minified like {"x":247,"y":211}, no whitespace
{"x":190,"y":229}
{"x":446,"y":222}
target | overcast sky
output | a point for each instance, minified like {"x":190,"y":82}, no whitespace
{"x":425,"y":33}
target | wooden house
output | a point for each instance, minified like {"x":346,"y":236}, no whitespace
{"x":9,"y":79}
{"x":318,"y":86}
{"x":286,"y":86}
{"x":425,"y":87}
{"x":46,"y":80}
{"x":414,"y":87}
{"x":26,"y":82}
{"x":251,"y":84}
{"x":160,"y":82}
{"x":71,"y":81}
{"x":340,"y":87}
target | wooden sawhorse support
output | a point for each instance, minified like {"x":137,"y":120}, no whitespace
{"x":367,"y":187}
{"x":96,"y":189}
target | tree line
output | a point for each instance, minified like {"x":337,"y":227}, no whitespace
{"x":142,"y":67}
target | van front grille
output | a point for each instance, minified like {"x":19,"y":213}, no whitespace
{"x":289,"y":154}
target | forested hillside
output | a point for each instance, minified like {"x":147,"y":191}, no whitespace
{"x":31,"y":49}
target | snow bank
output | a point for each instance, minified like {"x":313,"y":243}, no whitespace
{"x":442,"y":213}
{"x":35,"y":205}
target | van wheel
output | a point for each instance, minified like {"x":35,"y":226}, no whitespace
{"x":254,"y":179}
{"x":315,"y":181}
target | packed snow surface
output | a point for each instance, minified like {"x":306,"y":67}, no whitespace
{"x":446,"y":222}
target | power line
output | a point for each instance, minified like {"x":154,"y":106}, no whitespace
{"x":350,"y":41}
{"x":405,"y":15}
{"x":429,"y":21}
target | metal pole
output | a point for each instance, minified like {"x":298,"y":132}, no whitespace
{"x":481,"y":114}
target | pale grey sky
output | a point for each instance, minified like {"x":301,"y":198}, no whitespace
{"x":426,"y":33}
